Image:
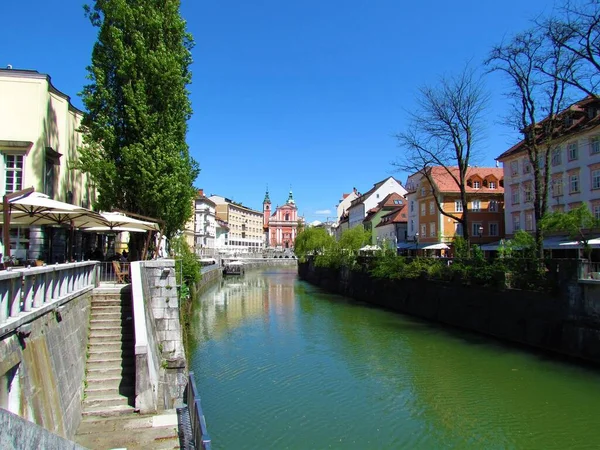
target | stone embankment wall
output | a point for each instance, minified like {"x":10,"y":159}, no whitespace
{"x":18,"y":433}
{"x":567,"y":323}
{"x":162,"y":360}
{"x":42,"y":367}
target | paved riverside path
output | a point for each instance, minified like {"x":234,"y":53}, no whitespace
{"x":131,"y":432}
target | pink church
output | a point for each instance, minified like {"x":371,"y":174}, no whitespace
{"x":281,"y":226}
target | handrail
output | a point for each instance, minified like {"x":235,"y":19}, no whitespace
{"x":200,"y":437}
{"x":28,"y":293}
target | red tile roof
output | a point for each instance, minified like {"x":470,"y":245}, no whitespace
{"x":398,"y":215}
{"x":446,"y":184}
{"x":581,"y":121}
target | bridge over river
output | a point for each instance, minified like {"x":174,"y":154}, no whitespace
{"x":281,"y":364}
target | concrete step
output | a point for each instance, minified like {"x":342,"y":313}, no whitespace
{"x":106,"y":411}
{"x":110,"y":363}
{"x":108,"y":331}
{"x":105,"y":401}
{"x":98,"y":346}
{"x":106,"y":323}
{"x":106,"y":314}
{"x":111,"y":339}
{"x":100,"y":379}
{"x":110,"y":386}
{"x":94,"y":373}
{"x":103,"y":354}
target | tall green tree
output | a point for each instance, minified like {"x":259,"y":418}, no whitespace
{"x":137,"y":107}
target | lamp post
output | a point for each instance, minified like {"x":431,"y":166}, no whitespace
{"x":416,"y":243}
{"x":480,"y":230}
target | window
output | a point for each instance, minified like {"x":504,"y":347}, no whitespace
{"x":475,"y":205}
{"x":527,"y":193}
{"x":594,"y":145}
{"x":528,"y":221}
{"x":432,"y":229}
{"x":422,"y":192}
{"x":458,"y":206}
{"x":597,"y":211}
{"x":572,"y":151}
{"x":492,"y":185}
{"x":458,"y":228}
{"x":412,"y":226}
{"x":423,"y":230}
{"x":412,"y":206}
{"x":493,"y":206}
{"x":493,"y":229}
{"x":422,"y":209}
{"x":397,"y":202}
{"x":14,"y":173}
{"x":557,"y":187}
{"x":526,"y":167}
{"x":556,"y":157}
{"x":476,"y":184}
{"x":477,"y":229}
{"x":595,"y":179}
{"x":516,"y":223}
{"x":431,"y":208}
{"x":514,"y":168}
{"x":573,"y":183}
{"x":515,"y":194}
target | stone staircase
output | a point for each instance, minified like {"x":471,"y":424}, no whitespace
{"x":110,"y":369}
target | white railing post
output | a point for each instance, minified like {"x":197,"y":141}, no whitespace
{"x":39,"y":289}
{"x":27,"y":290}
{"x":15,"y":300}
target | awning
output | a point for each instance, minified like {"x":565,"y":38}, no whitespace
{"x":440,"y":246}
{"x":405,"y":245}
{"x":593,"y":243}
{"x":492,"y":246}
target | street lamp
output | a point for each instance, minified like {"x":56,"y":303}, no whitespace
{"x":480,"y":230}
{"x":416,"y":243}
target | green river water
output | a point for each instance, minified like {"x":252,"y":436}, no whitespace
{"x":281,"y":364}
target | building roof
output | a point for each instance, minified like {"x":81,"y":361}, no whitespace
{"x":581,"y":116}
{"x":446,"y":184}
{"x":397,"y":215}
{"x":362,"y":197}
{"x":27,"y":73}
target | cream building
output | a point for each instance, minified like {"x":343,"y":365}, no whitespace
{"x":205,"y":225}
{"x":574,"y":169}
{"x":39,"y":138}
{"x":364,"y":202}
{"x":245,"y":234}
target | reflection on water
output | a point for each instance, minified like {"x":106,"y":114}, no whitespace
{"x":281,"y":364}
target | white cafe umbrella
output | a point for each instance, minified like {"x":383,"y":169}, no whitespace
{"x":114,"y":221}
{"x":36,"y":208}
{"x":29,"y":208}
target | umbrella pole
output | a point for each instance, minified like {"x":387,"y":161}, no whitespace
{"x":147,"y":243}
{"x":6,"y":226}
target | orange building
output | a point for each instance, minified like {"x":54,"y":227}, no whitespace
{"x":281,"y":226}
{"x":485,"y":200}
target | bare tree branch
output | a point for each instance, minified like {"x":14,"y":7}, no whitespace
{"x":444,"y":130}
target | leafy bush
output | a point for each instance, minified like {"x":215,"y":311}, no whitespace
{"x":186,"y":263}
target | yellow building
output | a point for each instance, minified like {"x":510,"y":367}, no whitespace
{"x":39,"y":138}
{"x":485,"y":201}
{"x":245,"y":227}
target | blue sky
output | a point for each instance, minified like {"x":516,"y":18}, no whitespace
{"x":306,"y":94}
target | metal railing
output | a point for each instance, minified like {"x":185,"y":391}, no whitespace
{"x":200,"y":437}
{"x":106,"y":272}
{"x":26,"y":293}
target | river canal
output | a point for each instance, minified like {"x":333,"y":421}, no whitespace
{"x":281,"y":364}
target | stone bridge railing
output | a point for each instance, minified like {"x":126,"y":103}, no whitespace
{"x":27,"y":293}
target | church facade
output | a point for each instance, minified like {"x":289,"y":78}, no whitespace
{"x":281,"y":225}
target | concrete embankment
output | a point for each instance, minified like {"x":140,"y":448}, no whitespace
{"x":567,"y":323}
